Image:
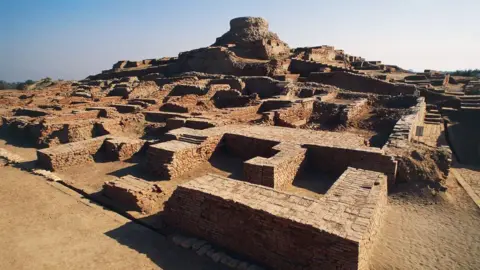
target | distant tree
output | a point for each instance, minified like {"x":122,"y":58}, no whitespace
{"x":29,"y":82}
{"x":466,"y":73}
{"x":21,"y":86}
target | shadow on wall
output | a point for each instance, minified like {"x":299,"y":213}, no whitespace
{"x":464,"y":139}
{"x":225,"y":161}
{"x":159,"y":249}
{"x":17,"y":139}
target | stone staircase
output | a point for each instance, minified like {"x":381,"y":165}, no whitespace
{"x":193,"y":139}
{"x":470,"y":102}
{"x":433,"y":117}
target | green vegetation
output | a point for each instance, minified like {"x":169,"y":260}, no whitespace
{"x":466,"y":73}
{"x":26,"y":84}
{"x":15,"y":85}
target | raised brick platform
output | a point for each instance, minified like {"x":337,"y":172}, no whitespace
{"x":277,"y":171}
{"x":133,"y":193}
{"x":282,"y":230}
{"x":69,"y":154}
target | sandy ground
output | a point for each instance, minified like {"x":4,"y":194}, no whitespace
{"x":43,"y":227}
{"x":429,"y":233}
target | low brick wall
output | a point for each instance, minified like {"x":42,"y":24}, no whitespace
{"x":362,"y":83}
{"x":282,"y":230}
{"x":354,"y":110}
{"x":338,"y":113}
{"x":131,"y":193}
{"x":121,"y":148}
{"x":69,"y":154}
{"x":335,"y":160}
{"x":405,"y":129}
{"x":295,"y":115}
{"x":277,"y":171}
{"x":173,"y":158}
{"x":247,"y":148}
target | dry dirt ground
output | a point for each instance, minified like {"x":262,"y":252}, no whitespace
{"x":46,"y":226}
{"x":43,"y":226}
{"x":429,"y":232}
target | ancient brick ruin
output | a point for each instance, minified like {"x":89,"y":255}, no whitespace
{"x":283,"y":156}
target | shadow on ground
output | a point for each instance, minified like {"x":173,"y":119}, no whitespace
{"x":159,"y":249}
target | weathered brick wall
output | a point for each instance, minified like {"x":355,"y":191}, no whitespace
{"x":329,"y":113}
{"x":354,"y":110}
{"x":121,"y":148}
{"x":277,"y":171}
{"x":337,"y":159}
{"x":247,"y":148}
{"x":362,"y":83}
{"x":173,"y":158}
{"x":69,"y":154}
{"x":265,"y":87}
{"x":405,"y":129}
{"x":364,"y":194}
{"x":292,"y":115}
{"x":282,"y":230}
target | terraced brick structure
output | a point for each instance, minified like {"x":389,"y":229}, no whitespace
{"x":280,"y":229}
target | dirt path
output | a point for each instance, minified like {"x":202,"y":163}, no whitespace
{"x":427,"y":233}
{"x":47,"y":227}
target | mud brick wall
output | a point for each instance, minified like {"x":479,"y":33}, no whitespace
{"x":265,"y":87}
{"x":174,"y":123}
{"x":84,"y":115}
{"x":354,"y":110}
{"x":277,"y":171}
{"x":214,"y":88}
{"x":173,"y":158}
{"x":143,"y":89}
{"x":290,"y":116}
{"x":244,"y":113}
{"x":58,"y":132}
{"x":324,"y":53}
{"x":329,"y":113}
{"x":121,"y":148}
{"x":161,"y":117}
{"x":131,"y":193}
{"x":405,"y":129}
{"x":362,"y":83}
{"x":362,"y":193}
{"x":234,"y":83}
{"x":31,"y":112}
{"x":198,"y":123}
{"x":337,"y":159}
{"x":304,"y":68}
{"x":69,"y":154}
{"x":247,"y":148}
{"x":123,"y":108}
{"x":281,"y":230}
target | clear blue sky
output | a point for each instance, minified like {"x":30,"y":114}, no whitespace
{"x":71,"y":39}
